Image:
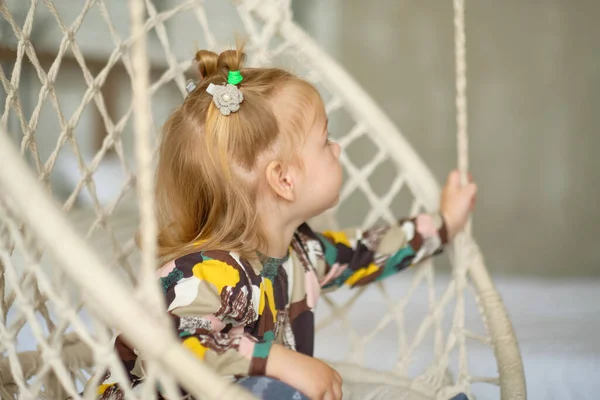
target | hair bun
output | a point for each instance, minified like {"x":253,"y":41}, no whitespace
{"x":231,"y":60}
{"x":207,"y":62}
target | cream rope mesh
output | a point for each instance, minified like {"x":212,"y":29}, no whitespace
{"x":47,"y":297}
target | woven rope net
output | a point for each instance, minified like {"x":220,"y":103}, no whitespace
{"x":89,"y":94}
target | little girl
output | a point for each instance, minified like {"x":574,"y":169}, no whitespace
{"x":244,"y":162}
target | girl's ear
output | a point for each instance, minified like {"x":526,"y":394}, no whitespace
{"x":281,"y":180}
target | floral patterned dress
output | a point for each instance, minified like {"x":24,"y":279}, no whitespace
{"x":228,"y":310}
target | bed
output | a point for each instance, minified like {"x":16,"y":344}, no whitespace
{"x":556,"y":320}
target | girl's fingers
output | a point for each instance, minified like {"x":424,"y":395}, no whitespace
{"x":453,"y":179}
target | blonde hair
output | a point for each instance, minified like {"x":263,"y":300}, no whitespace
{"x":204,"y":196}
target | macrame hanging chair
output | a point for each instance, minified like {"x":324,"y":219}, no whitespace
{"x":70,"y":272}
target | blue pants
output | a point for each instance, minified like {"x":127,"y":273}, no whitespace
{"x":266,"y":388}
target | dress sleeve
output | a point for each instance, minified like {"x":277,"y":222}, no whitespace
{"x":210,"y":299}
{"x":356,"y":257}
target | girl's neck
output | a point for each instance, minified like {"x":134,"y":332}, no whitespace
{"x":279,"y":237}
{"x":278,"y":224}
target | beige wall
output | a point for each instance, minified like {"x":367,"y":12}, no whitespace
{"x":534,"y":104}
{"x":534,"y":97}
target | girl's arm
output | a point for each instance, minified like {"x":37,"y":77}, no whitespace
{"x":356,"y":257}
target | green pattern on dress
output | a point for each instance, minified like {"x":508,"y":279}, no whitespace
{"x":171,"y":279}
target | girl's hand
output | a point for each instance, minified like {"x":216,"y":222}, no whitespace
{"x":311,"y":376}
{"x":457,"y":203}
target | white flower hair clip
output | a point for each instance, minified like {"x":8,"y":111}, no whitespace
{"x":227,"y":97}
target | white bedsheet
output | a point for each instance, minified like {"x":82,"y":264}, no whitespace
{"x":557,"y":324}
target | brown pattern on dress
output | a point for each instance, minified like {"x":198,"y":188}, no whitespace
{"x":287,"y":335}
{"x":193,"y":323}
{"x":280,"y":289}
{"x":258,"y":366}
{"x":369,"y":278}
{"x":113,"y":393}
{"x":280,"y":321}
{"x":124,"y":350}
{"x":234,"y":305}
{"x":443,"y":232}
{"x":265,"y":321}
{"x":221,"y":255}
{"x":371,"y":238}
{"x":300,"y":248}
{"x":417,"y":240}
{"x":186,"y":263}
{"x":298,"y":308}
{"x":219,"y":342}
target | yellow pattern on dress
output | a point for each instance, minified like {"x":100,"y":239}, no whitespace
{"x":218,"y":273}
{"x":266,"y":288}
